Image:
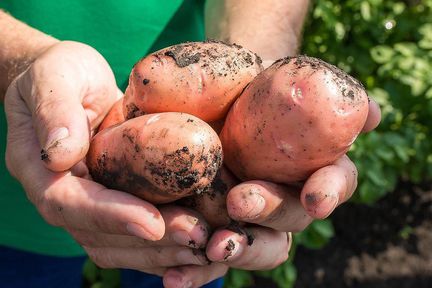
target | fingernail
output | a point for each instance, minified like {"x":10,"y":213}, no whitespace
{"x":192,"y":220}
{"x":188,"y":257}
{"x":289,"y":240}
{"x":231,"y":249}
{"x":254,"y":205}
{"x":55,"y":137}
{"x":139,"y":231}
{"x":183,"y":238}
{"x":320,"y":205}
{"x":332,"y":203}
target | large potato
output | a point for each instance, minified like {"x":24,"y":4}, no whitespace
{"x":158,"y":157}
{"x":298,"y":115}
{"x":199,"y":78}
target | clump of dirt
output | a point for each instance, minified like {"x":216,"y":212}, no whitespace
{"x":182,"y":60}
{"x":214,"y":59}
{"x":229,"y":248}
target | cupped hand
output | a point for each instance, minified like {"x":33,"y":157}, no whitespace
{"x":274,"y":209}
{"x":52,"y":110}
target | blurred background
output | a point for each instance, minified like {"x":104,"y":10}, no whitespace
{"x":383,"y":237}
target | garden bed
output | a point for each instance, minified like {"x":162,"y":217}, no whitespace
{"x":385,"y":245}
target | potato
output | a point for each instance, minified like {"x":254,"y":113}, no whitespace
{"x":211,"y":204}
{"x":298,"y":115}
{"x":157,"y":157}
{"x":199,"y":78}
{"x":114,"y":116}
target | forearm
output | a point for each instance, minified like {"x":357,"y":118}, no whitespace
{"x":19,"y":46}
{"x":270,"y":28}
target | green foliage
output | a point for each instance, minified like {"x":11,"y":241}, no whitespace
{"x":95,"y":277}
{"x":284,"y":275}
{"x":387,"y":45}
{"x":238,"y":278}
{"x":317,"y":234}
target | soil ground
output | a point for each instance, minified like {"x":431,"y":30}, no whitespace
{"x":387,"y":245}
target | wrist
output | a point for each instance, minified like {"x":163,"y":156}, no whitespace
{"x":20,"y":45}
{"x":18,"y":64}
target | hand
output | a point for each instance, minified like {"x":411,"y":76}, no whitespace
{"x":186,"y":234}
{"x":56,"y":105}
{"x":277,"y":209}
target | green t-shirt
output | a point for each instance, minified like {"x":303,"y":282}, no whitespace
{"x":123,"y":32}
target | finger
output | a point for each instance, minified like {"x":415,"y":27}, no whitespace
{"x":69,"y":201}
{"x":268,"y":249}
{"x":82,"y":204}
{"x":81,"y":170}
{"x":192,"y":276}
{"x":374,"y":116}
{"x":59,"y":119}
{"x":329,"y":187}
{"x":183,"y":227}
{"x":212,"y":203}
{"x":66,"y":101}
{"x":146,"y":258}
{"x":267,"y":204}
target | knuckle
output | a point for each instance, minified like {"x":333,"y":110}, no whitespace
{"x":151,"y":262}
{"x":44,"y":108}
{"x":51,"y":205}
{"x":46,"y":211}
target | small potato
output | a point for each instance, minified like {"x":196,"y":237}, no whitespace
{"x":211,"y":204}
{"x":298,"y":115}
{"x":114,"y":116}
{"x":157,"y":157}
{"x":199,"y":78}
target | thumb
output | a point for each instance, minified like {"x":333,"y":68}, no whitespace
{"x":67,"y":91}
{"x":59,"y":119}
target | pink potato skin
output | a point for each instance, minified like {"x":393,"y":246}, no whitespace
{"x":157,"y":157}
{"x":115,"y":116}
{"x":297,"y":116}
{"x":198,"y":78}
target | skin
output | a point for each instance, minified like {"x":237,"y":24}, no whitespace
{"x":205,"y":78}
{"x":114,"y":116}
{"x":61,"y":188}
{"x":131,"y":231}
{"x":33,"y":116}
{"x":298,"y":111}
{"x":158,"y":157}
{"x":212,"y":203}
{"x":271,"y":28}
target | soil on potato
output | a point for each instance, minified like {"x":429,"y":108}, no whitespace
{"x":387,"y":245}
